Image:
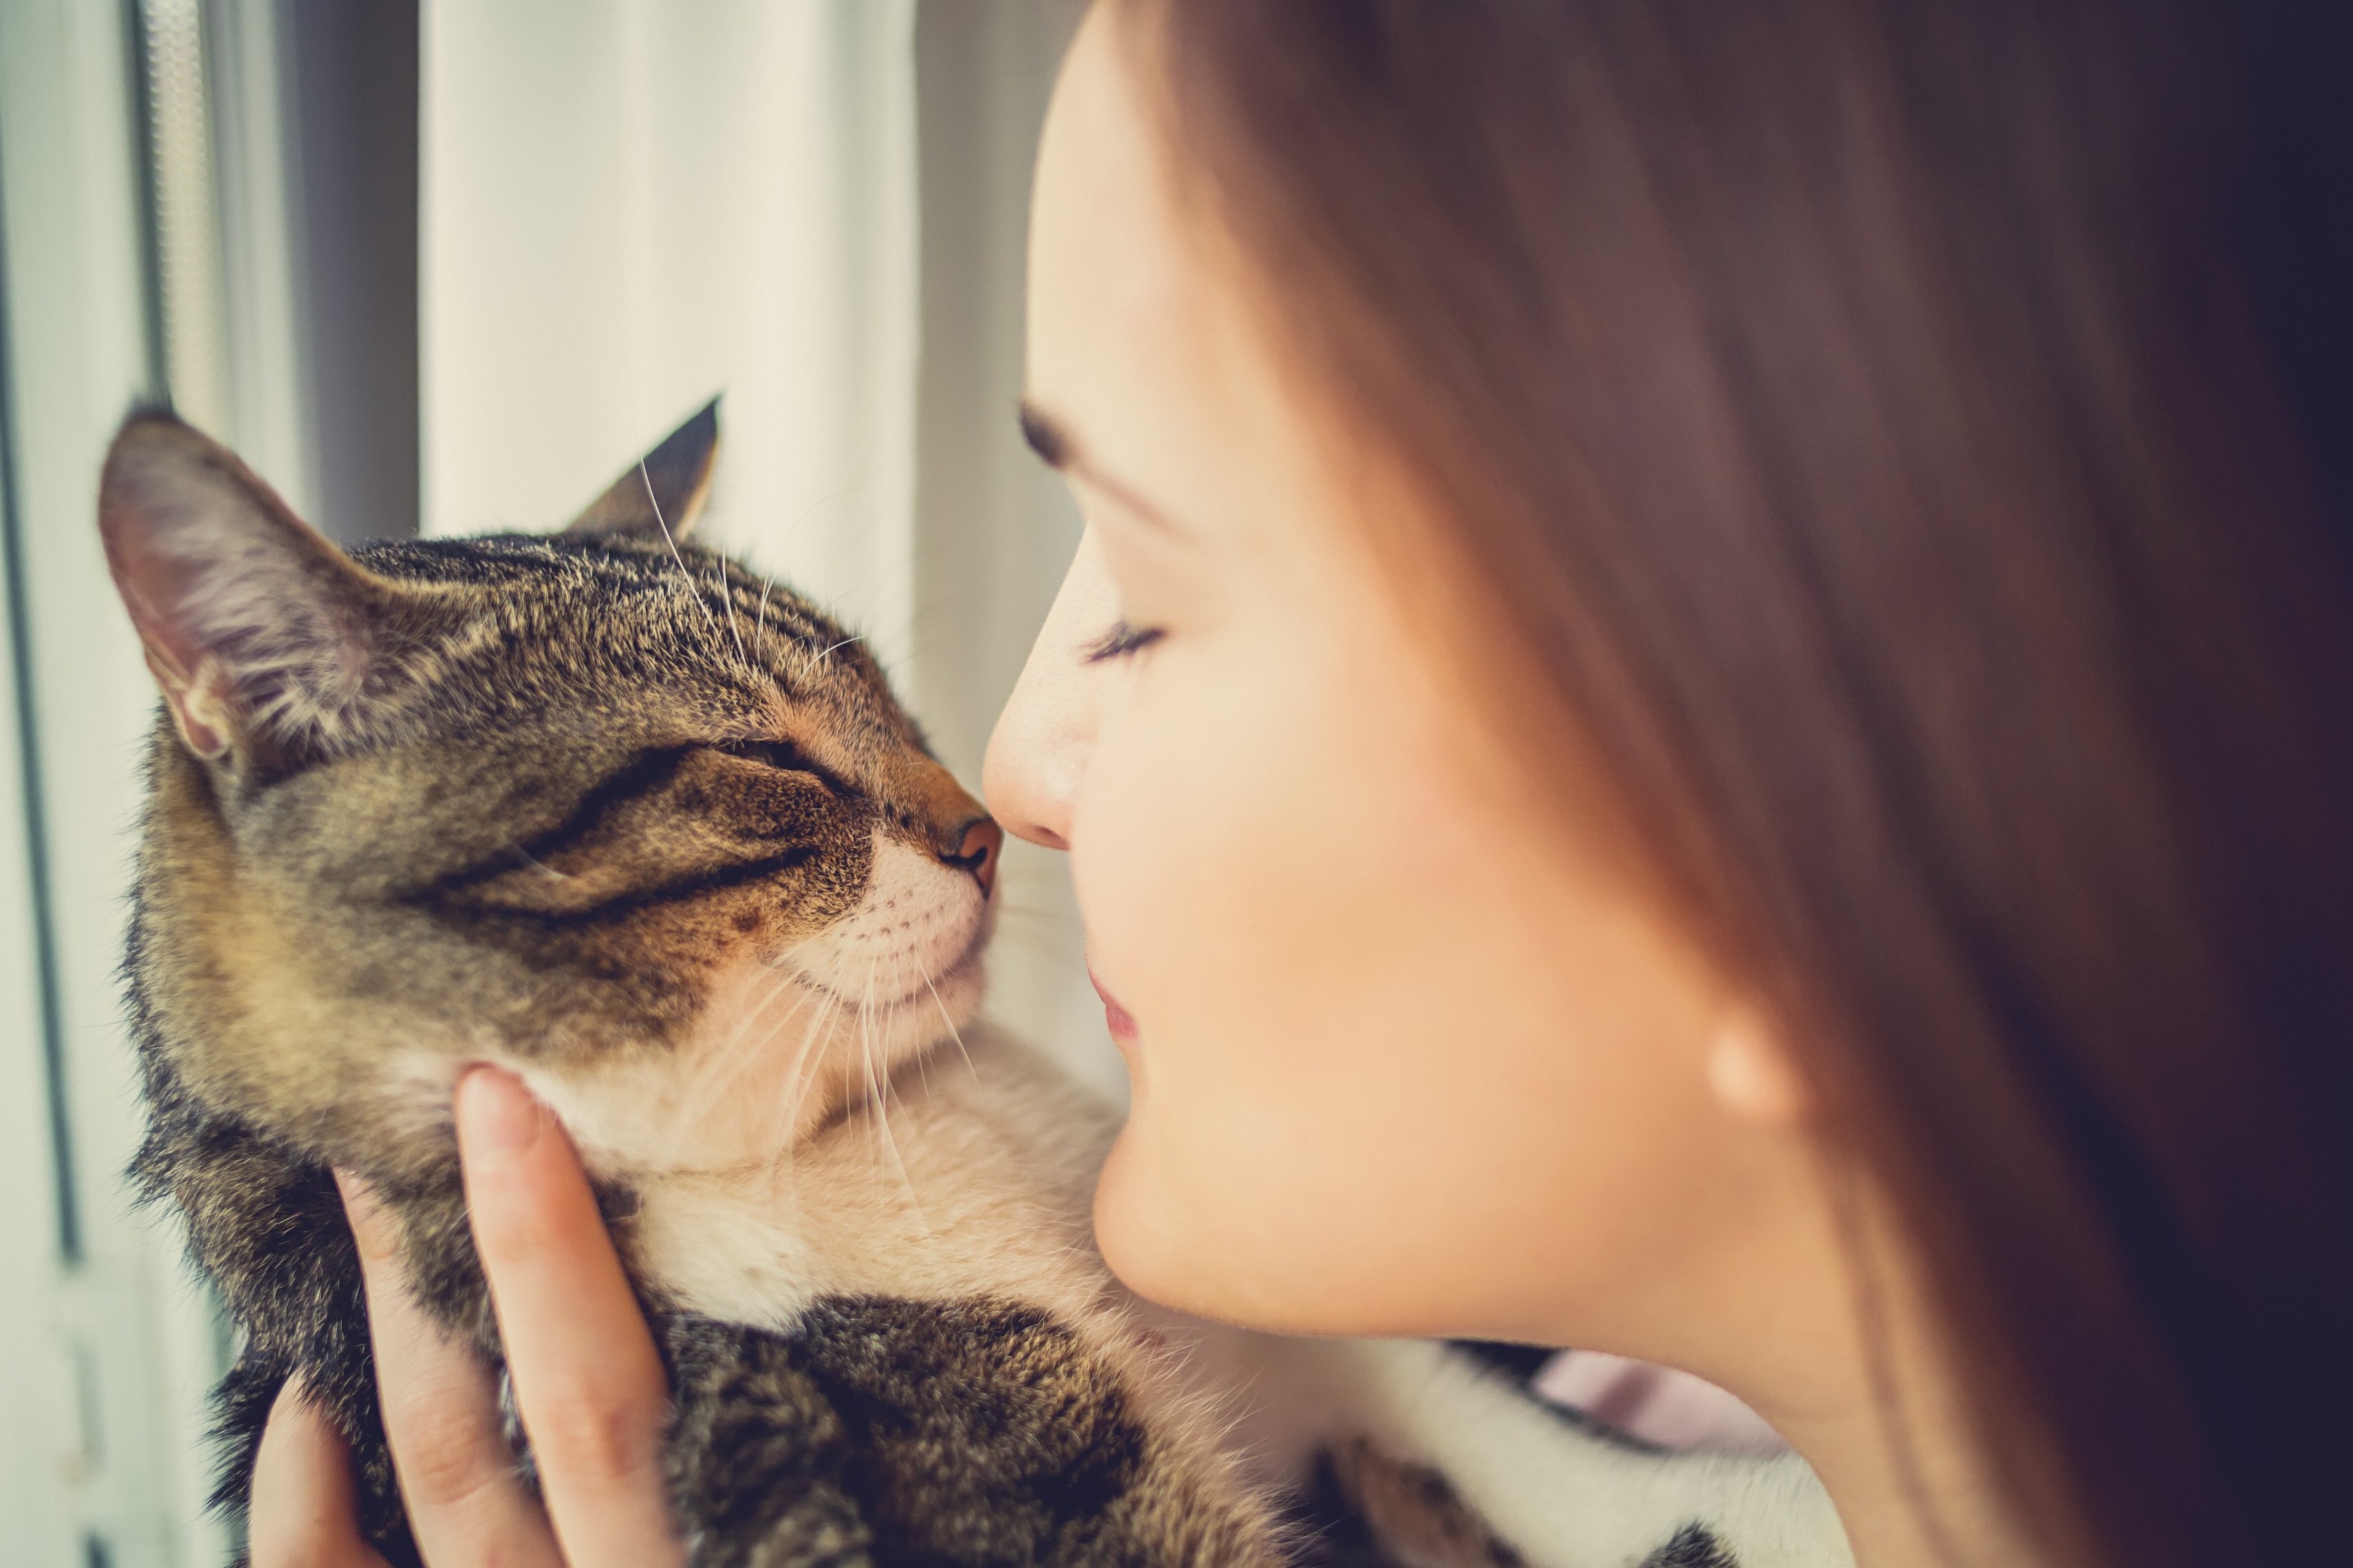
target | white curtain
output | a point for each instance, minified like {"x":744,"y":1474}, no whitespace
{"x":628,"y":206}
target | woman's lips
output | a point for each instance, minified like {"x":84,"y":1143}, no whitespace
{"x":1115,"y":1017}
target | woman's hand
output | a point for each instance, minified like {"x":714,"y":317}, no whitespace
{"x":590,"y":1386}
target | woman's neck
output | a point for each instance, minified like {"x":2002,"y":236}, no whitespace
{"x":1909,"y":1491}
{"x":1876,"y":1406}
{"x":1818,"y":1320}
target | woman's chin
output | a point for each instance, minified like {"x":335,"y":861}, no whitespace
{"x":1147,"y":1239}
{"x":1174,"y":1249}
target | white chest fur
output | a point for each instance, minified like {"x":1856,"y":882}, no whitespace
{"x":971,"y":1175}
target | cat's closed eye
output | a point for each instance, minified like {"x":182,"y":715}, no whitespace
{"x":778,"y":755}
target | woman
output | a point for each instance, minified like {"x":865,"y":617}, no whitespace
{"x":1703,"y":714}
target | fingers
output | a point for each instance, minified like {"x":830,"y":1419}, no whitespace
{"x":466,"y":1505}
{"x":591,"y":1387}
{"x":303,"y":1514}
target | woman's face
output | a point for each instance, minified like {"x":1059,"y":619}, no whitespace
{"x":1407,"y":1059}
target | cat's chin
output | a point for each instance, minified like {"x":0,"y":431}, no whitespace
{"x":774,"y":1058}
{"x":933,"y":993}
{"x":934,"y":1013}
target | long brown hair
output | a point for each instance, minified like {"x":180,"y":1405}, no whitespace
{"x":1909,"y":439}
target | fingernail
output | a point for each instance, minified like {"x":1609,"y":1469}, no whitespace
{"x":497,"y":1117}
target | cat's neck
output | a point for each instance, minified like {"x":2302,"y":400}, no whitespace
{"x":969,"y":1172}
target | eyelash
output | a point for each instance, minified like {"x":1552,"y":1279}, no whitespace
{"x":1122,"y":641}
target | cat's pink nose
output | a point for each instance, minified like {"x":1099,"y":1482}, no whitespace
{"x":984,"y":842}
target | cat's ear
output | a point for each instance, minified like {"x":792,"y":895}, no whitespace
{"x":663,"y":492}
{"x":262,"y":635}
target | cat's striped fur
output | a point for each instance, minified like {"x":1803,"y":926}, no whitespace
{"x":611,"y":810}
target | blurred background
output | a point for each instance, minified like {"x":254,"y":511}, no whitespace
{"x":452,"y":266}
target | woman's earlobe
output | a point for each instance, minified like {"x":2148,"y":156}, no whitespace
{"x":1752,"y":1076}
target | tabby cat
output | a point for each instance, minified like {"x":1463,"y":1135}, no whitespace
{"x":609,"y":810}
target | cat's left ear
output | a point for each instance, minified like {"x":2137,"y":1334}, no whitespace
{"x":266,"y":640}
{"x":663,"y":492}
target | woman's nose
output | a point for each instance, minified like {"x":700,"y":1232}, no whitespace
{"x":1038,"y":753}
{"x":1031,"y":775}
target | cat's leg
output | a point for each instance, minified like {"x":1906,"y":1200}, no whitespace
{"x":758,"y":1460}
{"x":943,"y":1432}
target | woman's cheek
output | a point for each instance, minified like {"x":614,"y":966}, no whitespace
{"x":1167,"y":867}
{"x":1152,"y":850}
{"x":1218,"y":848}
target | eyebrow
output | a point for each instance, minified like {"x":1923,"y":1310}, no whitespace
{"x":1052,"y":439}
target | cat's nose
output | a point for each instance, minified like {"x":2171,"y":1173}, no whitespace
{"x":977,"y":853}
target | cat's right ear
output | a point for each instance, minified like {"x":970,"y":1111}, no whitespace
{"x":662,"y":494}
{"x":260,"y":632}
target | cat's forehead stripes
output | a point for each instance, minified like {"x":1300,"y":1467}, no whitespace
{"x":684,"y":623}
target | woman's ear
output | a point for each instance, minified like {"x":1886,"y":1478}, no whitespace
{"x":662,"y":493}
{"x":1752,"y":1075}
{"x":262,"y":635}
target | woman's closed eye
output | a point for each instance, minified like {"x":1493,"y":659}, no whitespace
{"x":1123,"y":640}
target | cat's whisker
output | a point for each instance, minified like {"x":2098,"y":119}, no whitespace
{"x":784,"y":1121}
{"x":782,"y":1126}
{"x":881,"y":1082}
{"x":876,"y":1087}
{"x":809,"y":1065}
{"x":919,"y":616}
{"x":756,"y":1032}
{"x":834,"y":984}
{"x":693,"y":589}
{"x":710,"y":1068}
{"x":727,"y":597}
{"x":540,"y":865}
{"x":923,"y":1070}
{"x":792,"y":1102}
{"x":792,"y":1106}
{"x":954,"y":1033}
{"x":778,"y":958}
{"x":716,"y":1065}
{"x":713,"y":1076}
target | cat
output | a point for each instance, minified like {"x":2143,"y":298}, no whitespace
{"x":609,"y":810}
